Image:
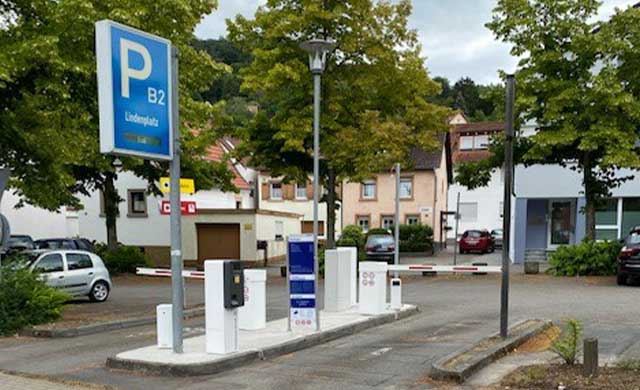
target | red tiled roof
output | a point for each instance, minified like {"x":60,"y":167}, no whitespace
{"x":216,"y":153}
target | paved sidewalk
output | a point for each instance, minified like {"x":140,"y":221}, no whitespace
{"x":13,"y":382}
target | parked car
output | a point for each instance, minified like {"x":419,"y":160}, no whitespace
{"x":380,"y":247}
{"x":496,"y":234}
{"x":476,"y":241}
{"x":20,"y":242}
{"x":629,"y":258}
{"x":65,"y":243}
{"x":78,"y":273}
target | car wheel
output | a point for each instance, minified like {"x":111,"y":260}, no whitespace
{"x":622,"y":280}
{"x":461,"y":251}
{"x":492,"y":249}
{"x":99,"y":292}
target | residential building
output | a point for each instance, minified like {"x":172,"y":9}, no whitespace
{"x":276,"y":195}
{"x":480,"y":208}
{"x":423,"y":193}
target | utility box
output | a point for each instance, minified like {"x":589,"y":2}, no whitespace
{"x":233,"y":284}
{"x":396,"y":294}
{"x":337,"y":272}
{"x":373,"y":288}
{"x":164,"y":326}
{"x":253,"y":315}
{"x":353,"y":277}
{"x":223,"y":294}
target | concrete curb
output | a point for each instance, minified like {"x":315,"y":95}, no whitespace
{"x":236,"y":360}
{"x":100,"y":327}
{"x":453,"y":368}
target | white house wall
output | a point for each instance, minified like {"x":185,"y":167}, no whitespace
{"x":36,"y":222}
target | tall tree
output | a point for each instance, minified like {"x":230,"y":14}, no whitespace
{"x":48,"y":92}
{"x":374,"y":88}
{"x":570,"y":83}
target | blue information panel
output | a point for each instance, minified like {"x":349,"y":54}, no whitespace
{"x":302,"y":299}
{"x":134,"y":92}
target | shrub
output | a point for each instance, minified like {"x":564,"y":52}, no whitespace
{"x":586,"y":258}
{"x":567,"y":346}
{"x":416,"y":238}
{"x":26,"y":300}
{"x":125,"y":259}
{"x":378,"y":231}
{"x":352,"y":236}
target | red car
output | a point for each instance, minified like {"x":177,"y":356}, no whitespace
{"x":476,"y":240}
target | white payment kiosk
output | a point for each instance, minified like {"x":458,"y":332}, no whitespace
{"x":337,"y":276}
{"x":223,"y":295}
{"x":353,"y":278}
{"x":253,"y":315}
{"x":373,"y":288}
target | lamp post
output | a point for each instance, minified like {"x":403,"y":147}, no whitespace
{"x":317,"y":49}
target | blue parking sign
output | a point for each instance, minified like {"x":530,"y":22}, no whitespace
{"x":134,"y":92}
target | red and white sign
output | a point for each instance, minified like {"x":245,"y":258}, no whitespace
{"x":187,"y":207}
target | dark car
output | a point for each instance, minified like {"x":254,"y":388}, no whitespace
{"x":629,"y":258}
{"x":65,"y":243}
{"x":20,"y":242}
{"x":496,"y":234}
{"x":380,"y":247}
{"x":476,"y":241}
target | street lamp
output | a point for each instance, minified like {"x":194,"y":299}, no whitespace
{"x":317,"y":49}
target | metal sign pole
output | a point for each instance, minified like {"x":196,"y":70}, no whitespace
{"x":396,"y":255}
{"x":506,"y":222}
{"x":455,"y":234}
{"x":177,"y":291}
{"x":316,"y":184}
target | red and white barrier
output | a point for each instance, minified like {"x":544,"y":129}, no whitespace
{"x":446,"y":268}
{"x":167,"y":272}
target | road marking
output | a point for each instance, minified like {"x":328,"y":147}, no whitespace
{"x":381,"y":351}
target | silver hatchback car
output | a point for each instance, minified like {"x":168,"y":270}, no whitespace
{"x":78,"y":273}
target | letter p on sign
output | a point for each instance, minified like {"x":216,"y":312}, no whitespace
{"x":126,"y":72}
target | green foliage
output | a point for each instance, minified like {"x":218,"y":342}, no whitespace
{"x":416,"y":238}
{"x":587,"y":258}
{"x":567,"y":345}
{"x":578,"y":80}
{"x":378,"y":231}
{"x":373,"y":89}
{"x":629,"y":364}
{"x":124,"y":259}
{"x":48,"y":94}
{"x":477,"y":102}
{"x":352,"y":235}
{"x":26,"y":300}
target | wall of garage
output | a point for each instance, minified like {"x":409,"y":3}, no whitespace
{"x":269,"y":225}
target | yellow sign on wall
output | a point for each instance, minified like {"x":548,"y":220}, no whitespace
{"x":187,"y":186}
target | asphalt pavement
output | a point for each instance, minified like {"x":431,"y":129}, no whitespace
{"x":454,"y":311}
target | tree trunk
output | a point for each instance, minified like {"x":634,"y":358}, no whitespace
{"x":331,"y":210}
{"x":590,"y":197}
{"x":111,"y":200}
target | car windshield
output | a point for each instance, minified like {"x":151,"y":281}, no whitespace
{"x":54,"y":244}
{"x":633,"y":239}
{"x":474,"y":234}
{"x":380,"y":240}
{"x":20,"y":241}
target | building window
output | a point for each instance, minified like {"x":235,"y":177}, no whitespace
{"x":466,"y":142}
{"x":630,"y":215}
{"x":301,"y":191}
{"x":275,"y":190}
{"x":279,"y":230}
{"x":368,"y":190}
{"x":468,"y":212}
{"x":406,"y":188}
{"x":474,"y":142}
{"x":137,"y":203}
{"x":412,"y":219}
{"x":364,"y":221}
{"x":387,"y":221}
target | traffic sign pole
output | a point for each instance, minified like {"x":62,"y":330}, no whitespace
{"x":177,"y":285}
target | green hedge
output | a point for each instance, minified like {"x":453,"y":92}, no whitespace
{"x":352,"y":235}
{"x":586,"y":258}
{"x":125,"y":259}
{"x":25,"y":300}
{"x":416,"y":238}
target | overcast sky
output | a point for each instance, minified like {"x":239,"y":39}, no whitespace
{"x":452,"y":33}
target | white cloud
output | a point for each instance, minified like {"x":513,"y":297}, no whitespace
{"x":452,"y":33}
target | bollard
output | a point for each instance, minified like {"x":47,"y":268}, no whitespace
{"x":396,"y":294}
{"x":164,"y":326}
{"x":590,"y":366}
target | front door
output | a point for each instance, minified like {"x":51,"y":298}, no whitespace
{"x":561,"y":226}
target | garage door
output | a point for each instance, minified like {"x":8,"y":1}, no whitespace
{"x":218,"y":241}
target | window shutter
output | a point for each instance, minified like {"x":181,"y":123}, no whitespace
{"x":288,"y":191}
{"x":309,"y":190}
{"x":266,"y":191}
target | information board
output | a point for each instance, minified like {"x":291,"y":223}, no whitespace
{"x":302,"y":283}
